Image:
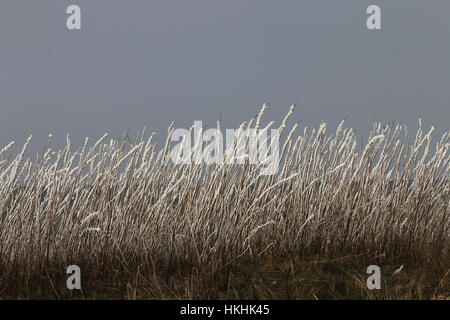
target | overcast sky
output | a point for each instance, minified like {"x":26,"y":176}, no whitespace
{"x":139,"y":63}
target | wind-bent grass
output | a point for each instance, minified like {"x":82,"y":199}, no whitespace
{"x":116,"y":207}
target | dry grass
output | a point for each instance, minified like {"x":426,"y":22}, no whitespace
{"x":142,"y":227}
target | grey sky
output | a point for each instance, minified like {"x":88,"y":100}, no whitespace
{"x":139,"y":63}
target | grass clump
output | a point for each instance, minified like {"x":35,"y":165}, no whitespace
{"x":142,"y":227}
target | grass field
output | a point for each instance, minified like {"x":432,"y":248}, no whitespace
{"x":141,"y":227}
